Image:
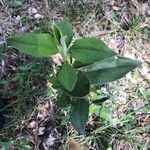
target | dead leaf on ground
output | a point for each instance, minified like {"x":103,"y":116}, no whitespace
{"x":73,"y":145}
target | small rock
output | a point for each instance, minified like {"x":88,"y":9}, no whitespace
{"x":32,"y":124}
{"x":32,"y":11}
{"x":41,"y":130}
{"x":57,"y":58}
{"x":116,"y":8}
{"x":23,"y":29}
{"x":38,"y":16}
{"x":145,"y":72}
{"x":40,"y":116}
{"x":18,"y":18}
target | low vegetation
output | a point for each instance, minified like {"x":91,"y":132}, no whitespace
{"x":62,"y":86}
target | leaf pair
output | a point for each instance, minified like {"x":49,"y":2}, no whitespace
{"x":63,"y":29}
{"x":76,"y":85}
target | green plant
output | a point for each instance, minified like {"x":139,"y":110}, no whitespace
{"x":14,"y":2}
{"x":87,"y":62}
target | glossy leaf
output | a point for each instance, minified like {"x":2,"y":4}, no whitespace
{"x":63,"y":100}
{"x":63,"y":28}
{"x":67,"y":76}
{"x":55,"y":83}
{"x":39,"y":45}
{"x":109,"y":69}
{"x":82,"y":87}
{"x":79,"y":115}
{"x":90,"y":50}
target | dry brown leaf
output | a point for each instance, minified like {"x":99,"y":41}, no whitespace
{"x":73,"y":145}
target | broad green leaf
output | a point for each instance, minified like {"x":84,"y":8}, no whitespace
{"x":90,"y":50}
{"x":63,"y":100}
{"x":67,"y":76}
{"x":55,"y":83}
{"x":100,"y":100}
{"x":39,"y":45}
{"x":79,"y":114}
{"x":109,"y":69}
{"x":82,"y":87}
{"x":63,"y":28}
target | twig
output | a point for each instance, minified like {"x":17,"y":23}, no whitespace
{"x":2,"y":3}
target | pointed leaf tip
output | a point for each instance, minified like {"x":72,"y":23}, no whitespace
{"x":109,"y":69}
{"x":63,"y":28}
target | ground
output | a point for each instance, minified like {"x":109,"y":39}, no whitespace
{"x":29,"y":117}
